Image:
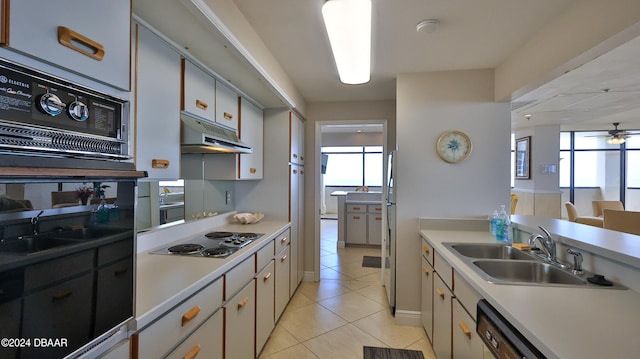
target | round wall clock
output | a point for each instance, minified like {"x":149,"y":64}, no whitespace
{"x":453,"y":146}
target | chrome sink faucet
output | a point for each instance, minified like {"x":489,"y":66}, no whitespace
{"x":548,"y":246}
{"x":35,"y":225}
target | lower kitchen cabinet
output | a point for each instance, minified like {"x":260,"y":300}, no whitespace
{"x":205,"y":342}
{"x":113,"y":281}
{"x":466,"y":343}
{"x":265,"y":302}
{"x":157,"y":339}
{"x":240,"y":324}
{"x":441,"y":319}
{"x":10,"y":327}
{"x":356,"y":224}
{"x":60,"y":311}
{"x":426,"y":315}
{"x":374,"y":229}
{"x":282,"y":260}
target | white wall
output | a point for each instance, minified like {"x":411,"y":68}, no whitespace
{"x":427,"y":105}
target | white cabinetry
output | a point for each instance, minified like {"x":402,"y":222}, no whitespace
{"x":156,"y":110}
{"x":205,"y":342}
{"x":74,"y":36}
{"x":244,"y":166}
{"x":296,"y":139}
{"x":363,"y":224}
{"x":280,"y":193}
{"x":282,"y":261}
{"x":265,"y":301}
{"x":240,"y":323}
{"x":448,"y":314}
{"x":198,"y":91}
{"x":356,"y":224}
{"x":226,"y":106}
{"x":157,"y":339}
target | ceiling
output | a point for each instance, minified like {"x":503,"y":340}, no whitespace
{"x":472,"y":35}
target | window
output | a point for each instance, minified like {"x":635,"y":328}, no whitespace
{"x":353,"y":166}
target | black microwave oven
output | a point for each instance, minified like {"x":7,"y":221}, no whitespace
{"x":42,"y":115}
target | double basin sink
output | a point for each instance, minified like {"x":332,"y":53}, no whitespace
{"x":502,"y":264}
{"x":32,"y":244}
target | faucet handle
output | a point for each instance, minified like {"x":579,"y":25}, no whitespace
{"x":577,"y":261}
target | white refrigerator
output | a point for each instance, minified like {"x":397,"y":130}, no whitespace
{"x":389,"y":237}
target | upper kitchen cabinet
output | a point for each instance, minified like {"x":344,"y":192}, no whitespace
{"x":198,"y":92}
{"x":69,"y":36}
{"x":296,"y":139}
{"x":241,"y":166}
{"x":226,"y":106}
{"x":156,"y":110}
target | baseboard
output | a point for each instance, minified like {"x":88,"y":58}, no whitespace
{"x":309,"y":276}
{"x":408,"y":317}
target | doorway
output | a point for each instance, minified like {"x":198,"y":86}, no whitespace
{"x":345,"y":143}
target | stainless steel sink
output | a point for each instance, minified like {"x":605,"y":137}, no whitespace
{"x":488,"y":251}
{"x":529,"y":272}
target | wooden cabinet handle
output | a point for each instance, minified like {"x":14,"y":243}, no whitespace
{"x":252,"y":170}
{"x":356,"y":208}
{"x":465,"y":329}
{"x":425,"y":270}
{"x":378,"y":218}
{"x":192,"y":313}
{"x":266,"y":277}
{"x":243,"y":302}
{"x":158,"y":163}
{"x":228,"y":116}
{"x":283,"y":240}
{"x":80,"y":43}
{"x":440,"y":292}
{"x":378,"y":208}
{"x":425,"y":249}
{"x":356,"y":217}
{"x":61,"y":295}
{"x":201,"y":105}
{"x":284,"y":257}
{"x":193,"y":352}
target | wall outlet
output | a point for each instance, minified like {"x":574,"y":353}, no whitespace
{"x":227,"y":197}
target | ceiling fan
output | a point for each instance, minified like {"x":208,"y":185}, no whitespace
{"x":616,"y":136}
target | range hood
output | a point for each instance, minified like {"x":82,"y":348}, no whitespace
{"x":202,"y":136}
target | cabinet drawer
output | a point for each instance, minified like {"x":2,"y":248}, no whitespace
{"x":357,"y":208}
{"x":374,"y":208}
{"x":466,"y":342}
{"x":444,"y":269}
{"x":238,"y":277}
{"x":282,"y":240}
{"x":44,"y":273}
{"x":159,"y":337}
{"x":427,"y":251}
{"x":115,"y":251}
{"x":206,"y":342}
{"x":265,"y":255}
{"x":467,"y":296}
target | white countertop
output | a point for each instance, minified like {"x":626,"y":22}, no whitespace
{"x":561,"y":322}
{"x":163,"y":281}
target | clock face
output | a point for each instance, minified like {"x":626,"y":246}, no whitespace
{"x":453,"y":146}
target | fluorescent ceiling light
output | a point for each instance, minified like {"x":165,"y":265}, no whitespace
{"x":348,"y":24}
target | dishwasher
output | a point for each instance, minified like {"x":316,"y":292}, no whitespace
{"x":501,"y":338}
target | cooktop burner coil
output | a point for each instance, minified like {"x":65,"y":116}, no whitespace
{"x":187,"y":248}
{"x":218,"y":252}
{"x":219,"y":235}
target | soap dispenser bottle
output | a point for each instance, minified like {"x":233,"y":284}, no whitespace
{"x":500,"y":223}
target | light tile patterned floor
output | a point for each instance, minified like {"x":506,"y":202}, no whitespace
{"x":342,"y":313}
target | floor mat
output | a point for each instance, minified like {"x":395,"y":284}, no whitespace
{"x":369,"y":261}
{"x":390,"y":353}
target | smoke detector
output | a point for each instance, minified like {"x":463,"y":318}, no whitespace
{"x":428,"y":26}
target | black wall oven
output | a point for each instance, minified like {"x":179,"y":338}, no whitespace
{"x":67,"y":264}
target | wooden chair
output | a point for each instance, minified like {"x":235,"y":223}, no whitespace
{"x":572,"y":213}
{"x":622,"y":221}
{"x":64,"y":199}
{"x":514,"y":202}
{"x":598,"y":206}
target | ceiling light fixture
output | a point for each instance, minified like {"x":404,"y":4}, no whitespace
{"x":428,"y":26}
{"x":348,"y":24}
{"x":616,"y":140}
